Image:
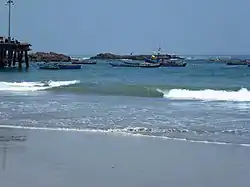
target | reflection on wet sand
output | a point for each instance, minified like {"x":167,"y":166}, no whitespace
{"x":8,"y":140}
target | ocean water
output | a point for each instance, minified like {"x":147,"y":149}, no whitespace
{"x":203,"y":102}
{"x":158,"y":126}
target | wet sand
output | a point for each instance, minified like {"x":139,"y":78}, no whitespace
{"x":63,"y":159}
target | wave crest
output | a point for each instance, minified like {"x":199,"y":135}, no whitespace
{"x":34,"y":86}
{"x":207,"y":94}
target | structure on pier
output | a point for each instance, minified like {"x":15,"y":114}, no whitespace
{"x":11,"y":50}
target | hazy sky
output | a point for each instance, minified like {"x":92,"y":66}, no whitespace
{"x":124,"y":26}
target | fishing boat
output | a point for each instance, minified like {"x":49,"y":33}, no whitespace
{"x":131,"y":62}
{"x":151,"y":60}
{"x":69,"y":66}
{"x":52,"y":66}
{"x":173,"y":63}
{"x":168,"y":62}
{"x":83,"y":62}
{"x":236,"y":62}
{"x":217,"y":60}
{"x":57,"y":66}
{"x":135,"y":65}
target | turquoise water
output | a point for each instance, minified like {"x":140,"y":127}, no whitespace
{"x":203,"y":102}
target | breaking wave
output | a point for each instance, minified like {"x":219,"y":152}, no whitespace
{"x":207,"y":94}
{"x":34,"y":86}
{"x":241,"y":95}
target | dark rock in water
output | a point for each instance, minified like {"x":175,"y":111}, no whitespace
{"x":110,"y":56}
{"x":48,"y":57}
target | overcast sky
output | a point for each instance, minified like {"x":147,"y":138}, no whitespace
{"x":119,"y":26}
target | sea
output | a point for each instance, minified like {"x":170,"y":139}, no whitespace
{"x":203,"y":104}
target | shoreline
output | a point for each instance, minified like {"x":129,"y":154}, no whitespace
{"x":102,"y":160}
{"x":114,"y":133}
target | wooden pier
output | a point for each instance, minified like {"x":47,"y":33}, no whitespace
{"x":13,"y":52}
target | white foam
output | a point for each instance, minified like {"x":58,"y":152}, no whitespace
{"x":207,"y":94}
{"x":116,"y":131}
{"x":34,"y":86}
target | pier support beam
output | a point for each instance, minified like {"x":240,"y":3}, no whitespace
{"x":10,"y":56}
{"x":4,"y":53}
{"x":20,"y":59}
{"x":14,"y":58}
{"x":26,"y":59}
{"x":1,"y":58}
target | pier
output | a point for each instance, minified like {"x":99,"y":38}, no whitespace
{"x":13,"y":52}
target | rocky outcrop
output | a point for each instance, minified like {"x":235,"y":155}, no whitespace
{"x":48,"y":57}
{"x":110,"y":56}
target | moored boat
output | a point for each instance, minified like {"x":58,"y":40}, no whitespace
{"x":51,"y":66}
{"x":83,"y":62}
{"x":135,"y":65}
{"x":127,"y":62}
{"x":168,"y":62}
{"x":173,"y":64}
{"x":69,"y":66}
{"x":237,"y":63}
{"x":56,"y":66}
{"x":151,"y":60}
{"x":217,"y":60}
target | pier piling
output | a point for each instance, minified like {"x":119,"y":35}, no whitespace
{"x":14,"y":59}
{"x":26,"y":59}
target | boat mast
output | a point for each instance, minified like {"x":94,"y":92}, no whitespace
{"x":9,"y":3}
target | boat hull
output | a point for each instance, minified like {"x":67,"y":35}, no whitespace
{"x":184,"y":64}
{"x":236,"y":63}
{"x":83,"y":62}
{"x":48,"y":66}
{"x":136,"y":65}
{"x":151,"y":61}
{"x":69,"y":66}
{"x":168,"y":62}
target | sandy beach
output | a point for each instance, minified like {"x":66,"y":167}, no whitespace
{"x":62,"y":159}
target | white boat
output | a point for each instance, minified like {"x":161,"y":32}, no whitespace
{"x":46,"y":65}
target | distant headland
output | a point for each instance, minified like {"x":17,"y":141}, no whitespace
{"x":111,"y":56}
{"x":57,"y":57}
